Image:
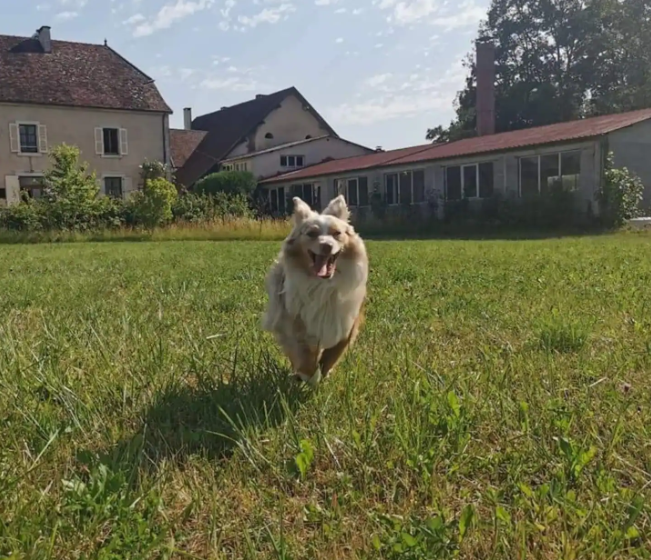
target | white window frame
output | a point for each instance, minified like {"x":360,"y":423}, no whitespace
{"x":411,"y":185}
{"x":41,"y":131}
{"x":123,"y":147}
{"x":288,"y":166}
{"x":462,"y":166}
{"x":537,"y":157}
{"x":342,"y":186}
{"x":277,"y":191}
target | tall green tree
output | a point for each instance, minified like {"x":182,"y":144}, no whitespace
{"x":558,"y":60}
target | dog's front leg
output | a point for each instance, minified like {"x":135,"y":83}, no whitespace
{"x":331,"y":356}
{"x":307,"y":364}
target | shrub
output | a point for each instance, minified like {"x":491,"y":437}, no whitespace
{"x":456,"y":210}
{"x":150,"y":170}
{"x":620,"y":195}
{"x":152,"y":206}
{"x":194,"y":208}
{"x":229,"y":182}
{"x":26,"y":216}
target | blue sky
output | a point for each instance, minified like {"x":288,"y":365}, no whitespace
{"x":380,"y":71}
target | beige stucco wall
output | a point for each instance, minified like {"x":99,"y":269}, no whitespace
{"x":288,"y":123}
{"x":268,"y":164}
{"x":505,"y":173}
{"x":147,"y":134}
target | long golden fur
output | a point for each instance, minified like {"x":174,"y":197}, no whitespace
{"x":317,"y":288}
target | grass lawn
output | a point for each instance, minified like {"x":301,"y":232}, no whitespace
{"x":496,"y":405}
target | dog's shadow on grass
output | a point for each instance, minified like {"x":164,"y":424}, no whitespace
{"x":211,"y":415}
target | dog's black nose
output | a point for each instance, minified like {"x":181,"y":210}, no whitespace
{"x":326,"y":248}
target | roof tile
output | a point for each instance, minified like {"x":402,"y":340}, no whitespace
{"x":73,"y":74}
{"x":549,"y":134}
{"x":183,"y":143}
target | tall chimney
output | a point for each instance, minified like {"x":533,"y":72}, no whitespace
{"x":44,"y":38}
{"x":187,"y":118}
{"x":485,"y":68}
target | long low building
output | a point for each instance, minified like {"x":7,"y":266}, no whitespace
{"x":517,"y":164}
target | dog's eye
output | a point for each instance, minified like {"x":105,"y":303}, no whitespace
{"x":313,"y":233}
{"x":336,"y":234}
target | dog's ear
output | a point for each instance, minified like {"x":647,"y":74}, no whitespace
{"x":302,"y":211}
{"x":338,"y":208}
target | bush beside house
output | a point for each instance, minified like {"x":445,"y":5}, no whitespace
{"x":72,"y":202}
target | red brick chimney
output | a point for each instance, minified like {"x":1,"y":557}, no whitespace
{"x":485,"y":68}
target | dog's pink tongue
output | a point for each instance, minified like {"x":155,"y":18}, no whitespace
{"x":321,"y":265}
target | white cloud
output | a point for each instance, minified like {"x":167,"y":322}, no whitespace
{"x":339,"y":40}
{"x":135,"y":18}
{"x":65,"y":16}
{"x":42,"y":7}
{"x":471,"y":16}
{"x":341,"y":11}
{"x":325,"y":2}
{"x":268,"y":15}
{"x":377,"y":80}
{"x":78,"y":4}
{"x":388,"y":97}
{"x":216,"y":59}
{"x":169,"y":14}
{"x":435,"y":12}
{"x":186,"y":73}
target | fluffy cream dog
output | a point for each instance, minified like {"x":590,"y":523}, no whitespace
{"x":317,"y":288}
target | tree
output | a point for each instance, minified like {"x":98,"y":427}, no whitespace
{"x":68,"y":178}
{"x":229,"y":182}
{"x":558,"y":60}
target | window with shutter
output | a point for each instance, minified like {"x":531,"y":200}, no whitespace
{"x":124,"y":143}
{"x":99,"y":141}
{"x":42,"y":138}
{"x":28,"y":134}
{"x":111,"y":144}
{"x":13,"y":138}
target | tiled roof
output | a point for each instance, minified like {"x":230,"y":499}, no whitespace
{"x":228,"y":127}
{"x":183,"y":143}
{"x":505,"y":141}
{"x":73,"y":74}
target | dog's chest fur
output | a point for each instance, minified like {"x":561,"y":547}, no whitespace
{"x":328,"y":308}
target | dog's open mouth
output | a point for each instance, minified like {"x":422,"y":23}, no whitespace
{"x":324,"y":266}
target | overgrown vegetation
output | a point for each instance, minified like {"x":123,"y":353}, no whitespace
{"x":242,"y":183}
{"x":72,"y":208}
{"x":620,"y":195}
{"x":72,"y":202}
{"x":496,"y":405}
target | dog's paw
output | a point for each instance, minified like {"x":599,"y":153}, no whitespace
{"x":310,"y":381}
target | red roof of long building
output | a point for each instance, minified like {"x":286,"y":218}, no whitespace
{"x":549,"y":134}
